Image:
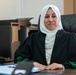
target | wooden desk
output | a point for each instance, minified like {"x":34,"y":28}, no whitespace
{"x":57,"y":72}
{"x":69,"y":72}
{"x":25,"y":31}
{"x":30,"y":29}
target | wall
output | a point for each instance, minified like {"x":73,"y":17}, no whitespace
{"x":10,"y":9}
{"x":32,"y":8}
{"x":72,"y":5}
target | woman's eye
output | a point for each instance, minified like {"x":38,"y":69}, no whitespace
{"x":47,"y":16}
{"x":53,"y":16}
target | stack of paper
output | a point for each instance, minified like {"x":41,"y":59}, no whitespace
{"x":8,"y":69}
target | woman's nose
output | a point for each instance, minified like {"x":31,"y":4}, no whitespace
{"x":50,"y":18}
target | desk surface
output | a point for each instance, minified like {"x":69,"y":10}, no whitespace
{"x":46,"y":72}
{"x":57,"y":72}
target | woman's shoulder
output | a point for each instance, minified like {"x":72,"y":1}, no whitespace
{"x":36,"y":34}
{"x":66,"y":33}
{"x":62,"y":32}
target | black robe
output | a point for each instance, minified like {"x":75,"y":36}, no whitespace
{"x":64,"y":50}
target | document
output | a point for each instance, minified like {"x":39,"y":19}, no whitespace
{"x":8,"y":69}
{"x":5,"y":69}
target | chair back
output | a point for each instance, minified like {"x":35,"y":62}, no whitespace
{"x":69,"y":22}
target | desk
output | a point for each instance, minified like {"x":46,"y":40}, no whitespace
{"x":25,"y":31}
{"x":30,"y":29}
{"x":58,"y":72}
{"x":49,"y":72}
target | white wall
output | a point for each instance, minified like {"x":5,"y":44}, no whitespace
{"x":32,"y":8}
{"x":10,"y":9}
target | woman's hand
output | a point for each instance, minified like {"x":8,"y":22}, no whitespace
{"x":38,"y":65}
{"x":54,"y":66}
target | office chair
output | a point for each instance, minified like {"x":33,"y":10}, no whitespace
{"x":69,"y":22}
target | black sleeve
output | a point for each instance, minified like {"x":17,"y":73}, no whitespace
{"x":24,"y":49}
{"x":68,"y":65}
{"x":72,"y":47}
{"x":72,"y":52}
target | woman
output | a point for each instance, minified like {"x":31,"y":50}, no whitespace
{"x":52,"y":47}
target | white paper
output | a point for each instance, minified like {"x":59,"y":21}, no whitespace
{"x":8,"y":69}
{"x":35,"y":69}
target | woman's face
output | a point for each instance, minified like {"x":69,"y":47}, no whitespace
{"x":50,"y":20}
